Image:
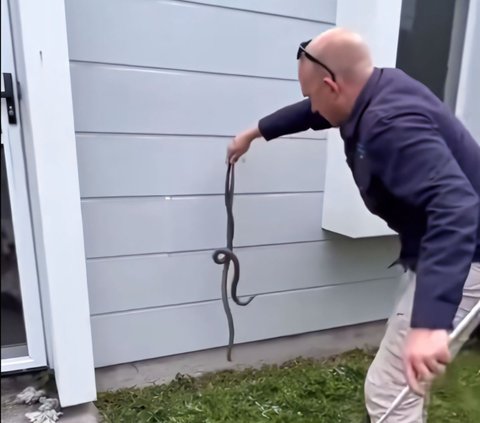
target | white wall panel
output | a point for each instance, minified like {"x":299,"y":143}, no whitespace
{"x":144,"y":334}
{"x":182,"y":35}
{"x":121,"y":99}
{"x":119,"y":165}
{"x":125,"y":226}
{"x":128,"y":283}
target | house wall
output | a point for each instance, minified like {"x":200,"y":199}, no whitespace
{"x":159,"y":90}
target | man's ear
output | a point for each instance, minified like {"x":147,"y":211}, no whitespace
{"x":331,"y":84}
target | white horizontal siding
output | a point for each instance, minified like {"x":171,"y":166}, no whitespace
{"x":159,"y":89}
{"x":128,"y":165}
{"x":129,"y":283}
{"x":132,"y":100}
{"x":143,"y":334}
{"x":126,"y":226}
{"x":158,"y":34}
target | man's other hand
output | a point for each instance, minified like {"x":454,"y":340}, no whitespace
{"x":426,"y":356}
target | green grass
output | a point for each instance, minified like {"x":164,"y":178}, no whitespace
{"x":302,"y":390}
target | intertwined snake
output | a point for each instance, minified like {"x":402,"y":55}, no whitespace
{"x":226,"y":255}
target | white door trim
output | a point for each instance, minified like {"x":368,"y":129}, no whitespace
{"x":43,"y":71}
{"x":22,"y":224}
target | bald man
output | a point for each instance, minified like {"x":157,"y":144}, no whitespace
{"x":417,"y":167}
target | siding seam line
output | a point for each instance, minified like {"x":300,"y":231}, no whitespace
{"x":259,"y":12}
{"x":204,"y":250}
{"x":263,"y":294}
{"x":183,"y":70}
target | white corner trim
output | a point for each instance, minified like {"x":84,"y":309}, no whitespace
{"x":344,"y":212}
{"x":42,"y":61}
{"x":468,"y":85}
{"x":378,"y":22}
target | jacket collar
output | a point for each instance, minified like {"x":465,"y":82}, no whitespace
{"x":348,"y":129}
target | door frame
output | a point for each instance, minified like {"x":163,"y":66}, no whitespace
{"x":42,"y":66}
{"x":21,"y":219}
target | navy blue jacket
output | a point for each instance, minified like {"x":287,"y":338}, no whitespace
{"x":418,"y":168}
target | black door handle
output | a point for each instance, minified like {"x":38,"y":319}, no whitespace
{"x":10,"y":97}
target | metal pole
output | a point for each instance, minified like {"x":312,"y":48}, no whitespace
{"x":469,"y":318}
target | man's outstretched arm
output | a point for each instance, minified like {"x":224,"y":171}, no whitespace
{"x":297,"y":117}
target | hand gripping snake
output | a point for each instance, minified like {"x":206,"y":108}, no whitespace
{"x":225,"y":256}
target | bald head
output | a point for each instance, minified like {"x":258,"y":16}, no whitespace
{"x":348,"y":57}
{"x":345,"y":52}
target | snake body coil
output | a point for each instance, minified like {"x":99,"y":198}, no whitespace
{"x":224,"y":256}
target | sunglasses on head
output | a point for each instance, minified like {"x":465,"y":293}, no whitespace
{"x":301,"y":49}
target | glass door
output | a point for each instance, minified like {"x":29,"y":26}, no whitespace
{"x":22,"y":341}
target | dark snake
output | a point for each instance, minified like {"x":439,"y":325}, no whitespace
{"x":225,"y":256}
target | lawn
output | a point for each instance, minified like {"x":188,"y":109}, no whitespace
{"x":299,"y":391}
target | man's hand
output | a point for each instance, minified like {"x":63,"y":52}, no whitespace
{"x":240,"y":144}
{"x":426,"y":355}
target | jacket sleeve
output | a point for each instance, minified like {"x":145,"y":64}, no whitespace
{"x":417,"y":166}
{"x":297,"y":117}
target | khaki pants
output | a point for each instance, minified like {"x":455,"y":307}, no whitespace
{"x":386,"y":376}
